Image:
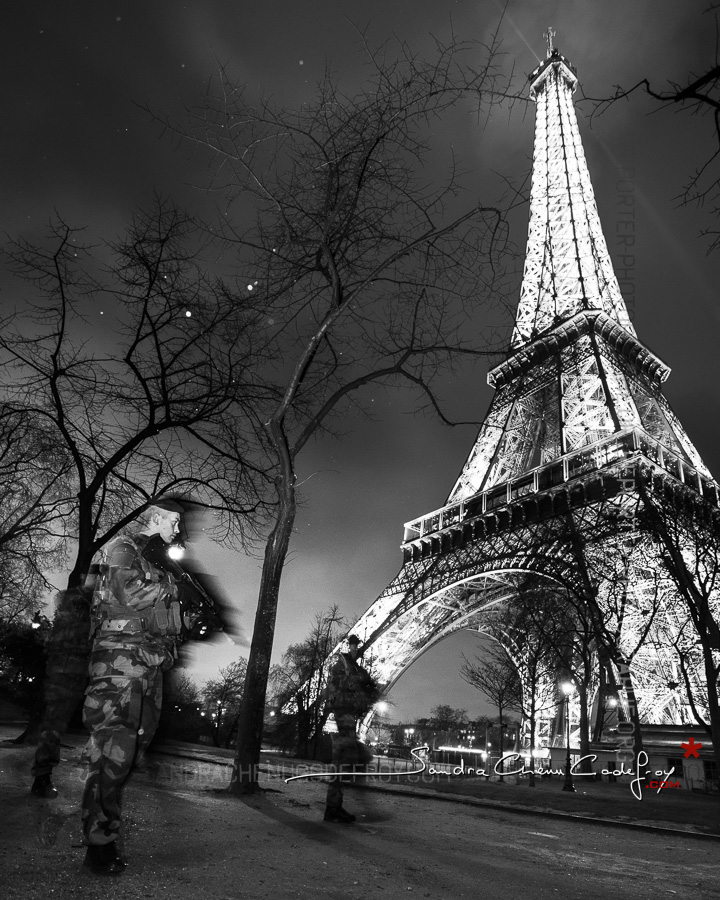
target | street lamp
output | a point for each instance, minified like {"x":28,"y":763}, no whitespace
{"x":567,"y":689}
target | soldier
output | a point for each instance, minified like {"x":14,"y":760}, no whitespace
{"x":350,"y":693}
{"x":65,"y":682}
{"x":136,"y":621}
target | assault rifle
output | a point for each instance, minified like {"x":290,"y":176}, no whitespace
{"x":200,"y":613}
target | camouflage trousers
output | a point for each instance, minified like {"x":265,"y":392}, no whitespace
{"x":121,"y":712}
{"x":65,"y":681}
{"x":66,"y":675}
{"x":345,"y":756}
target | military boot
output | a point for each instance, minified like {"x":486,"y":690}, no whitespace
{"x":338,"y":815}
{"x":104,"y":859}
{"x":43,"y":787}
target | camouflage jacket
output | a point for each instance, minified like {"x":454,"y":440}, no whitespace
{"x":134,"y":601}
{"x":350,"y":688}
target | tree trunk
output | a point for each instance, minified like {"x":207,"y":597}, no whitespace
{"x":302,"y":720}
{"x":531,"y":777}
{"x":502,"y":745}
{"x":599,"y":722}
{"x":586,"y":764}
{"x":711,"y":679}
{"x":636,"y":735}
{"x":244,"y":778}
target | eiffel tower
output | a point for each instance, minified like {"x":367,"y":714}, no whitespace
{"x":578,"y":435}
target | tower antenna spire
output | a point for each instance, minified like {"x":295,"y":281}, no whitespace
{"x":549,"y":35}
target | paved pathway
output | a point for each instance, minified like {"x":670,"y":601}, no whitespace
{"x":186,"y":837}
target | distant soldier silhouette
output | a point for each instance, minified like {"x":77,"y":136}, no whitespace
{"x":350,"y":693}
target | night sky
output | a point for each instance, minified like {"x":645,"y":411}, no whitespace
{"x":76,"y":140}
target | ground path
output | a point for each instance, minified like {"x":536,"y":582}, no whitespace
{"x":186,"y":837}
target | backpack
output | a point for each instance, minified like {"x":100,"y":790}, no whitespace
{"x":350,"y":687}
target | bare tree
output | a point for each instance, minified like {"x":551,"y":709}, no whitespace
{"x":222,"y":695}
{"x":530,"y":630}
{"x":22,"y":661}
{"x":688,"y":529}
{"x":445,"y":720}
{"x":599,"y":591}
{"x":447,"y":717}
{"x":160,"y":404}
{"x":697,"y":95}
{"x":182,"y":717}
{"x":35,"y":500}
{"x":497,"y":678}
{"x":181,"y":689}
{"x":298,"y":682}
{"x":364,"y":269}
{"x":639,"y":583}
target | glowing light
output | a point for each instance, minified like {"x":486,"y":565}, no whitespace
{"x":176,"y":552}
{"x":188,"y":314}
{"x":474,"y":750}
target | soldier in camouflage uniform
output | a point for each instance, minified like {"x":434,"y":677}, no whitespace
{"x":65,"y":682}
{"x":350,"y":692}
{"x":136,"y":620}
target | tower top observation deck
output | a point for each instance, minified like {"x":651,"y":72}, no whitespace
{"x":555,"y":64}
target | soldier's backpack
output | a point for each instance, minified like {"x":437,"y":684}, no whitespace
{"x":350,"y":687}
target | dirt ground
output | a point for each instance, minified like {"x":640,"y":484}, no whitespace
{"x":186,"y":837}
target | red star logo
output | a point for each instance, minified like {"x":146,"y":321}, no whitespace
{"x":691,"y":748}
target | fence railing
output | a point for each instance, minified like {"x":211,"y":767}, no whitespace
{"x":562,"y":470}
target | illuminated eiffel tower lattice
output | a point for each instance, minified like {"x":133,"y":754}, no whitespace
{"x":577,"y":476}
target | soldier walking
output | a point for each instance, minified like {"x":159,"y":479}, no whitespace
{"x":351,"y":691}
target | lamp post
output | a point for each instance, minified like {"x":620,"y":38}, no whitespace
{"x":567,"y":689}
